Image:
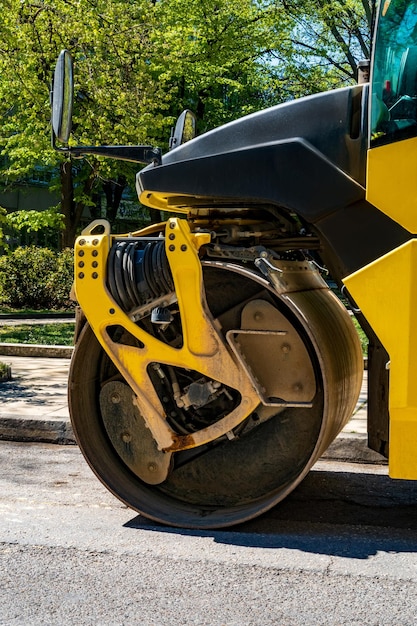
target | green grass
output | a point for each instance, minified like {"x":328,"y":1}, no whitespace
{"x":5,"y":371}
{"x":8,"y":310}
{"x":63,"y":334}
{"x":46,"y":334}
{"x":362,"y":337}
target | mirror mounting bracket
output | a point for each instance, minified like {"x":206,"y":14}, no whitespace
{"x":134,"y":154}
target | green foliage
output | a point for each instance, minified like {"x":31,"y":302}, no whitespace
{"x":138,"y":64}
{"x":36,"y":278}
{"x":221,"y":70}
{"x":3,"y":214}
{"x":362,"y":337}
{"x":60,"y":281}
{"x":5,"y":372}
{"x":38,"y":227}
{"x":33,"y":221}
{"x":117,"y":101}
{"x":328,"y":38}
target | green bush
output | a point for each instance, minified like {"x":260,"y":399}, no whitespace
{"x":61,"y":280}
{"x":36,"y":278}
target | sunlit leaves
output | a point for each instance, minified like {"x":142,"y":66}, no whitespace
{"x":220,"y":47}
{"x":328,"y":39}
{"x":33,"y":221}
{"x":139,"y":63}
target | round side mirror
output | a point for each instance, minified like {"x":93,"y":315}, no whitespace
{"x":62,"y":97}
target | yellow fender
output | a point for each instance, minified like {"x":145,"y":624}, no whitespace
{"x":386,"y":292}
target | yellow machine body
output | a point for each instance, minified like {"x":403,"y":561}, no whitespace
{"x":393,"y":317}
{"x":386,"y":289}
{"x":386,"y":292}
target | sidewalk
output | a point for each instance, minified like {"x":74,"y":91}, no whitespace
{"x":34,"y":407}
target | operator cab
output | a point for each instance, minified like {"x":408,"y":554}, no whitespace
{"x":394,"y":76}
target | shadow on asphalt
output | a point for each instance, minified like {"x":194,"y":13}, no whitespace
{"x":348,"y":514}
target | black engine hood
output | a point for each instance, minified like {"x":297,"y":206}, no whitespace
{"x":307,"y":155}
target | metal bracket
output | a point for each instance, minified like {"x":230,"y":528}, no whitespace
{"x":203,"y":349}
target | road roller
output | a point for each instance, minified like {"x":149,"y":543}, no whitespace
{"x":214,"y":363}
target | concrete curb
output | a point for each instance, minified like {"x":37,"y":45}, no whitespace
{"x":33,"y":349}
{"x":347,"y":448}
{"x":58,"y":431}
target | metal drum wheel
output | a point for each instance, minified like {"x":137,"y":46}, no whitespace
{"x":236,"y":478}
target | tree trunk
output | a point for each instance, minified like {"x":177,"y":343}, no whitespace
{"x":71,"y":210}
{"x":114,"y":190}
{"x":67,"y":204}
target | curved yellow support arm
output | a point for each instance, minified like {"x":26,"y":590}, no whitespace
{"x":203,"y":348}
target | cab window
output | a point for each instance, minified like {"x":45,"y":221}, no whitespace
{"x":394,"y":74}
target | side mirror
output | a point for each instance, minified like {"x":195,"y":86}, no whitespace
{"x":185,"y":129}
{"x":62,"y":97}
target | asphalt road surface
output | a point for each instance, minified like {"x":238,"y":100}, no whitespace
{"x":341,"y":550}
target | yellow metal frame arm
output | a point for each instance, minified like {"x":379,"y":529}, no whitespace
{"x":203,"y":349}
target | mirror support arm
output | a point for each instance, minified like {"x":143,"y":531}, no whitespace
{"x":135,"y":154}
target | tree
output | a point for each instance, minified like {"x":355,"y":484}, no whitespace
{"x":49,"y":223}
{"x":221,"y":70}
{"x":138,"y":64}
{"x":117,"y":99}
{"x":328,"y":39}
{"x":235,"y":58}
